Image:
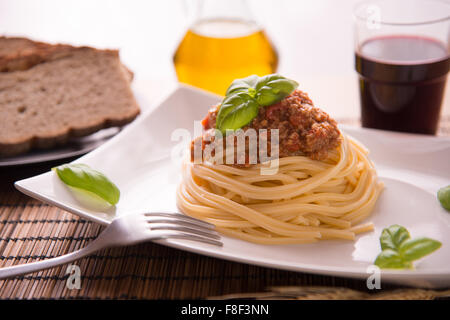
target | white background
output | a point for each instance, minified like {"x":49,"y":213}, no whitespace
{"x":314,"y":39}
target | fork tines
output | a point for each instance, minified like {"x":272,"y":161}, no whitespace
{"x":181,"y":217}
{"x":182,"y":226}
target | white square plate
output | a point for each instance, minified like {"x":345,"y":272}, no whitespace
{"x":138,"y":160}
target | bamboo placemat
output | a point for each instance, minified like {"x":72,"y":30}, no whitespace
{"x":31,"y":231}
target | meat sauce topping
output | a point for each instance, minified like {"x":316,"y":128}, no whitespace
{"x":303,"y":128}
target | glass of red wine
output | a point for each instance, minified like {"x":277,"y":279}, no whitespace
{"x":402,"y":59}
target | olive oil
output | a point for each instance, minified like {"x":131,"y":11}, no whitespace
{"x":215,"y":52}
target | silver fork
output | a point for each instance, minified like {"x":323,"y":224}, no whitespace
{"x":127,"y":230}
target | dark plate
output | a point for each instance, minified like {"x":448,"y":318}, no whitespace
{"x":75,"y":147}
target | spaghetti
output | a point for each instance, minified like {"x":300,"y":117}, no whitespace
{"x":305,"y":201}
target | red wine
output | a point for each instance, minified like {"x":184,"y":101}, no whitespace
{"x":402,"y":81}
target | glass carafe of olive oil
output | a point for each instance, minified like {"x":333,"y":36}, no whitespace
{"x":222,"y":44}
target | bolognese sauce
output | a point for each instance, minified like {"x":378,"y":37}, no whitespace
{"x":303,"y":128}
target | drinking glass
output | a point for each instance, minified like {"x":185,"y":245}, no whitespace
{"x":402,"y":59}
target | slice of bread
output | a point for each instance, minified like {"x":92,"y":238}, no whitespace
{"x":50,"y":93}
{"x":20,"y":53}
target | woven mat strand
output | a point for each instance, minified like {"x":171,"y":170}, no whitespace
{"x":32,"y":231}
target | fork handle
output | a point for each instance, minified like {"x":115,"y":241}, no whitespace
{"x":49,"y":263}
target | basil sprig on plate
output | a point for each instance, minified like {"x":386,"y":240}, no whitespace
{"x":444,"y":197}
{"x":399,"y":250}
{"x":245,"y":96}
{"x":82,"y":177}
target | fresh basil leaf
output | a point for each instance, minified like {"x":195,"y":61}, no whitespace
{"x":393,"y":236}
{"x":244,"y":97}
{"x":399,"y":250}
{"x":273,"y":88}
{"x":230,"y":103}
{"x":89,"y":199}
{"x":444,"y":197}
{"x":83,"y":177}
{"x":417,"y":248}
{"x":391,"y":259}
{"x":266,"y":96}
{"x":243,"y":85}
{"x":240,"y":116}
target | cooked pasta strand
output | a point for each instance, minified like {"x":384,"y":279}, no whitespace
{"x":305,"y":201}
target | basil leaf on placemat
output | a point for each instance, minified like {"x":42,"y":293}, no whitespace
{"x":81,"y":176}
{"x":444,"y":197}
